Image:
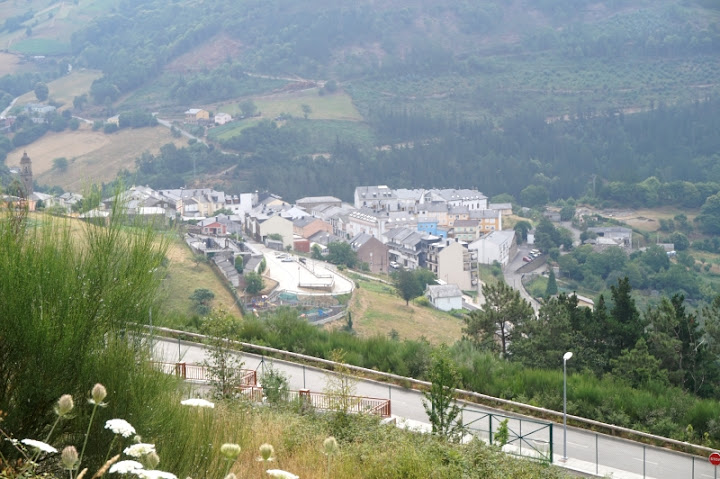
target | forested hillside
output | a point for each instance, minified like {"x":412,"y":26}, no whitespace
{"x":502,"y":96}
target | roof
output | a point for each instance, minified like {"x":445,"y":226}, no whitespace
{"x":359,"y":240}
{"x":461,"y":194}
{"x":304,"y":221}
{"x":193,"y":111}
{"x":318,"y":199}
{"x":443,"y":291}
{"x":480,"y":214}
{"x":324,"y":238}
{"x":375,"y":192}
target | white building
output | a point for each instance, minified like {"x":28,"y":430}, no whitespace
{"x":497,"y":246}
{"x":444,"y":297}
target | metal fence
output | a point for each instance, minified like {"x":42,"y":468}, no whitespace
{"x":519,"y":436}
{"x":198,"y":372}
{"x":327,"y":402}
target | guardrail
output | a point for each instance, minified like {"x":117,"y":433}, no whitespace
{"x":198,"y":372}
{"x":412,"y":383}
{"x":328,"y":402}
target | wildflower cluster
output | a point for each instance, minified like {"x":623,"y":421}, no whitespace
{"x":142,"y":458}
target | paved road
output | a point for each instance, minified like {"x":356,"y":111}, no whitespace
{"x":617,"y":457}
{"x":290,"y":274}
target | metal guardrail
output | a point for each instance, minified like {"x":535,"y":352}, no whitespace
{"x":423,"y":385}
{"x":198,"y":372}
{"x":328,"y":402}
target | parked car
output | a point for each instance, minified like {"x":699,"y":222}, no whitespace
{"x":527,"y":259}
{"x":287,"y":259}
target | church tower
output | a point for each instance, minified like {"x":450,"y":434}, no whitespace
{"x":26,"y":174}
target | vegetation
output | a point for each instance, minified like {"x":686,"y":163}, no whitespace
{"x":67,"y":326}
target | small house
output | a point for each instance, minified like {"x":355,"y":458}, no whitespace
{"x":444,"y":297}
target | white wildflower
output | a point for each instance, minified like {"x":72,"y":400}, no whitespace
{"x":154,"y":474}
{"x":120,"y":426}
{"x":279,"y":473}
{"x":42,"y":446}
{"x":139,"y":450}
{"x":197,"y":403}
{"x":126,"y":467}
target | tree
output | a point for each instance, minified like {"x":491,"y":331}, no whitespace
{"x":201,"y":299}
{"x":638,"y":367}
{"x":224,"y":364}
{"x":341,"y":386}
{"x":534,"y":196}
{"x":248,"y":108}
{"x":521,"y":230}
{"x":676,"y":339}
{"x":80,"y":101}
{"x":709,"y":217}
{"x":440,"y":404}
{"x":551,"y":289}
{"x":239,"y":264}
{"x":41,"y":91}
{"x":340,"y":252}
{"x":306,"y":110}
{"x":407,"y":285}
{"x":503,"y":312}
{"x":316,"y":252}
{"x":624,"y":325}
{"x":254,"y":283}
{"x":60,"y":164}
{"x":567,"y":213}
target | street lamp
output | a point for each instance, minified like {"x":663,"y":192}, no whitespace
{"x":566,"y":356}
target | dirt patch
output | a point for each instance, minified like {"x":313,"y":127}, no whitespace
{"x":209,"y":55}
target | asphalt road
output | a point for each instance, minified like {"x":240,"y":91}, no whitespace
{"x":617,"y":457}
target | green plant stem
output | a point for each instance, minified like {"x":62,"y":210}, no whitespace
{"x":87,"y":434}
{"x":47,"y":439}
{"x":112,"y":443}
{"x":227,"y":468}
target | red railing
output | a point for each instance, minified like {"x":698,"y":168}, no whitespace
{"x":327,"y":402}
{"x":198,"y":372}
{"x":250,"y":389}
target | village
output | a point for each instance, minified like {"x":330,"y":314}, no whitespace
{"x":447,"y":231}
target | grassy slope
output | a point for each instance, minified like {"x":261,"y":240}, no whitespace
{"x":92,"y":155}
{"x":184,"y":277}
{"x":65,"y":89}
{"x":376,"y":309}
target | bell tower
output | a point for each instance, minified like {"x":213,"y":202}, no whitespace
{"x":26,"y":174}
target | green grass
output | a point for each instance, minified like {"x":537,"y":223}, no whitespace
{"x":337,"y":106}
{"x":377,"y":310}
{"x":41,"y":46}
{"x":229,"y":130}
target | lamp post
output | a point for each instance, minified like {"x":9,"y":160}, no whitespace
{"x":566,"y":356}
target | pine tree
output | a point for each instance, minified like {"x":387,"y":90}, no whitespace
{"x":551,"y":289}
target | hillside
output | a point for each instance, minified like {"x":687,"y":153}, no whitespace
{"x":392,"y":87}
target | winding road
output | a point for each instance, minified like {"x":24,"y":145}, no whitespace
{"x":617,"y":457}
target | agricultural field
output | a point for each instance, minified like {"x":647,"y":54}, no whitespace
{"x":93,"y":156}
{"x":377,"y":309}
{"x":336,"y":106}
{"x":65,"y":89}
{"x":50,"y":25}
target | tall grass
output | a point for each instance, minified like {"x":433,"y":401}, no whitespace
{"x":69,"y":297}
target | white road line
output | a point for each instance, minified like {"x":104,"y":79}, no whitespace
{"x":584,"y":446}
{"x":646,"y":461}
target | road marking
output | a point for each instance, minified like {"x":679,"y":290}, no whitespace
{"x":646,"y":461}
{"x":579,"y":445}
